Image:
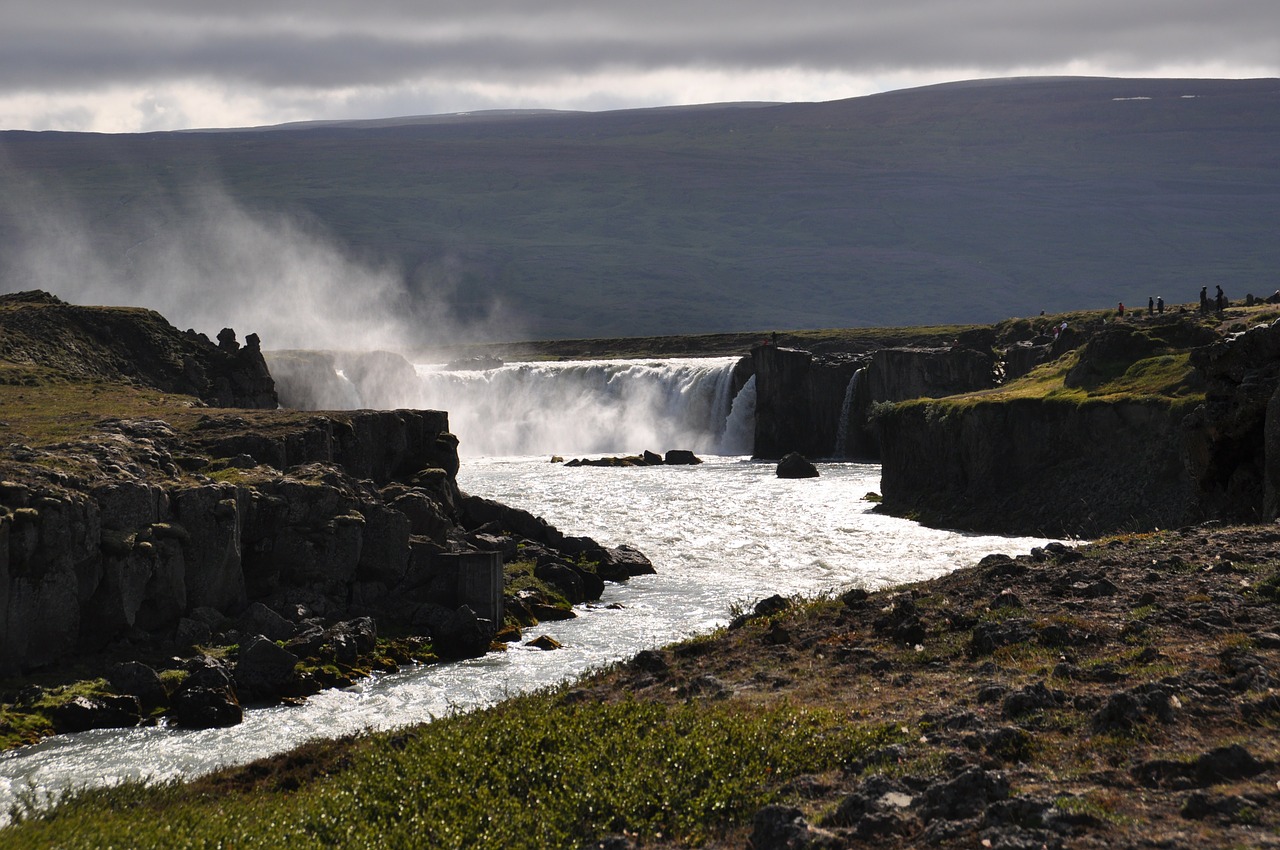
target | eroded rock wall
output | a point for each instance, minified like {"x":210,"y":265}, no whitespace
{"x":1038,"y":467}
{"x":798,"y":401}
{"x":801,"y":397}
{"x":1069,"y":468}
{"x":344,"y":515}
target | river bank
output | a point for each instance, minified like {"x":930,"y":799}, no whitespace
{"x":1119,"y":694}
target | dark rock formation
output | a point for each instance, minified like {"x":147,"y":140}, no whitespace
{"x":896,"y":374}
{"x":818,"y":405}
{"x":1065,"y":467}
{"x":315,"y":518}
{"x":1031,"y":464}
{"x":795,"y":465}
{"x":131,"y":344}
{"x":798,"y":401}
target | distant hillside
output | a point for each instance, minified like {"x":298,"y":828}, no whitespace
{"x":965,"y":202}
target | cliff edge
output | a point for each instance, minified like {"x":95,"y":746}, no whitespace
{"x":138,"y":520}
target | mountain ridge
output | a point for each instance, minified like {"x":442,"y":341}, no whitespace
{"x":961,"y":202}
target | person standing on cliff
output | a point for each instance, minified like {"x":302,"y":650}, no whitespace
{"x":1151,"y":306}
{"x":1204,"y":299}
{"x":1220,"y":301}
{"x":1160,"y":304}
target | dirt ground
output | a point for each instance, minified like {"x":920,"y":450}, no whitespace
{"x":1118,"y":694}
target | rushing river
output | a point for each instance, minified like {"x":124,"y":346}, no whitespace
{"x":728,"y":531}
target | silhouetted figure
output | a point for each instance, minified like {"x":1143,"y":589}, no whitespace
{"x":1204,"y":299}
{"x":1151,"y":306}
{"x":1160,"y":304}
{"x":773,"y":337}
{"x":1120,"y":310}
{"x":1220,"y":300}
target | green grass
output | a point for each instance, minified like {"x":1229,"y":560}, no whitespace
{"x":530,"y":773}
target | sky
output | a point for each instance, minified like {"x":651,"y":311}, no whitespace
{"x":143,"y":65}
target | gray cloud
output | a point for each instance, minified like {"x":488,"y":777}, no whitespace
{"x":330,"y":46}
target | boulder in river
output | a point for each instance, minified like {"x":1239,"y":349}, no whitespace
{"x":795,"y":465}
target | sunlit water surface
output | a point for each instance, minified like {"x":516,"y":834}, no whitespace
{"x":728,"y":531}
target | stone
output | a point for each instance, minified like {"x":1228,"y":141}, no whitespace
{"x":563,"y":579}
{"x":1225,"y":764}
{"x":133,"y":678}
{"x":794,"y":465}
{"x":651,"y":661}
{"x":681,"y":457}
{"x":1034,"y":697}
{"x":1231,"y":808}
{"x":986,"y":638}
{"x":458,"y":634}
{"x":964,"y":795}
{"x":264,"y":671}
{"x":191,"y":633}
{"x":259,"y":619}
{"x":619,"y":563}
{"x":82,"y":713}
{"x":777,"y":827}
{"x":206,"y":708}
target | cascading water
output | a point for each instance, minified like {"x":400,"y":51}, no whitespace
{"x":584,"y":407}
{"x":846,"y":409}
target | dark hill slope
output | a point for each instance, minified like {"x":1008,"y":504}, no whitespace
{"x":128,"y":344}
{"x":963,"y":202}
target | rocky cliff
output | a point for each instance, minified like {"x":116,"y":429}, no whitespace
{"x":819,"y":404}
{"x":144,"y":521}
{"x":132,"y":345}
{"x":1155,"y":424}
{"x":1036,"y":466}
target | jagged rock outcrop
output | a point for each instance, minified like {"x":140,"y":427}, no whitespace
{"x":135,"y":345}
{"x":343,"y":514}
{"x":1233,"y":438}
{"x":896,"y":374}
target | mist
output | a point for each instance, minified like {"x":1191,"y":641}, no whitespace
{"x":207,"y":261}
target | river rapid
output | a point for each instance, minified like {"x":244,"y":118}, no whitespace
{"x":725,"y":533}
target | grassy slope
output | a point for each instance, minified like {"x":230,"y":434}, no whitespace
{"x":909,"y":208}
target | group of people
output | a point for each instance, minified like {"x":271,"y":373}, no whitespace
{"x":1219,"y":302}
{"x":1154,"y":305}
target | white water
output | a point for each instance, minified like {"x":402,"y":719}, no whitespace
{"x":728,"y":531}
{"x":846,"y":407}
{"x":582,"y":407}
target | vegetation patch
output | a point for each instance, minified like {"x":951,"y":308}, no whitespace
{"x":521,"y":775}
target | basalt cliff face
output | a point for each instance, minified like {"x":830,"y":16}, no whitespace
{"x":172,"y":522}
{"x":1038,"y":466}
{"x":150,"y":551}
{"x":819,"y":404}
{"x":1066,"y":465}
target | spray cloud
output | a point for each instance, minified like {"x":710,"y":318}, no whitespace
{"x":205,"y":260}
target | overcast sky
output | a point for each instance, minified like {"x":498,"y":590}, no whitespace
{"x":134,"y":65}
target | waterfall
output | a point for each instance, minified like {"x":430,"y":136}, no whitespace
{"x":569,"y":408}
{"x":740,"y":424}
{"x":846,"y":409}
